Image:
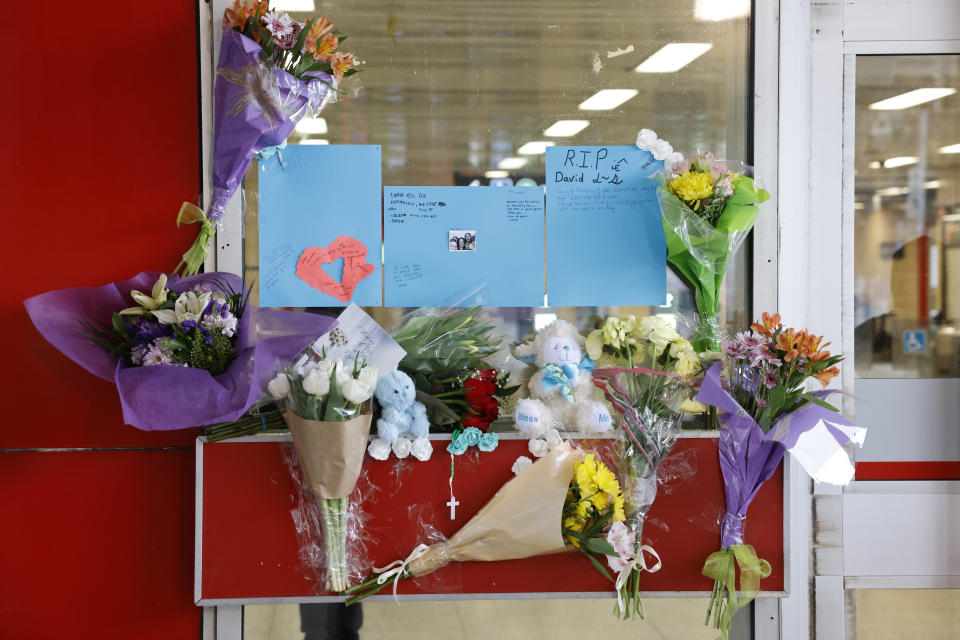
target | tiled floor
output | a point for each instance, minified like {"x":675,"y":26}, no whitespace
{"x":930,"y":614}
{"x":880,"y":615}
{"x":667,"y":619}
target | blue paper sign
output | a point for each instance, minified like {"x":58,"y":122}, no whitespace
{"x":319,"y":225}
{"x":442,"y":244}
{"x":605,"y":243}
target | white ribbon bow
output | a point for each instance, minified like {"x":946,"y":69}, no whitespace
{"x":638,"y":560}
{"x":396,"y":568}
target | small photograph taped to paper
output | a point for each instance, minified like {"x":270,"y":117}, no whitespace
{"x":461,"y":240}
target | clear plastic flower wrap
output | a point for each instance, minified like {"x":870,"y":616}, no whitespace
{"x":567,"y":500}
{"x":708,"y":210}
{"x":326,"y":405}
{"x":650,"y":406}
{"x":454,"y":358}
{"x":315,"y":517}
{"x":271,"y":72}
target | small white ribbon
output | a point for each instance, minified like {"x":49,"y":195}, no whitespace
{"x":396,"y":568}
{"x":638,"y":560}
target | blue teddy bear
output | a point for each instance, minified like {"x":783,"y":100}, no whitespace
{"x":403,"y":423}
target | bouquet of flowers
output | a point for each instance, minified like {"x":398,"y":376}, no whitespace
{"x":188,"y":353}
{"x":271,"y":72}
{"x":327,"y":409}
{"x":646,"y":380}
{"x":767,"y":411}
{"x":563,"y":500}
{"x":447,"y":353}
{"x":707,"y":212}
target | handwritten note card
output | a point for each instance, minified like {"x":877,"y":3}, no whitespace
{"x":441,"y":241}
{"x":319,"y":225}
{"x":358,"y":336}
{"x":605,"y":242}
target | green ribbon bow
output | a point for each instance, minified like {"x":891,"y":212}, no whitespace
{"x":193,"y":259}
{"x":722,"y":567}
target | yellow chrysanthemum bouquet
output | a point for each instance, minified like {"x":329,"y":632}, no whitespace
{"x":646,"y":370}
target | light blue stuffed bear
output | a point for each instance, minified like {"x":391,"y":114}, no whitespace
{"x":403,"y":425}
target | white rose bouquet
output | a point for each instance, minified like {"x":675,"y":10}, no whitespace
{"x":645,"y":372}
{"x":327,"y":408}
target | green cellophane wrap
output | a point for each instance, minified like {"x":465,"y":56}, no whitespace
{"x":699,"y":252}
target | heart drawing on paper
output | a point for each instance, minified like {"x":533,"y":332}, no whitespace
{"x":314,"y":262}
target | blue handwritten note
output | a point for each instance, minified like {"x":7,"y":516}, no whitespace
{"x":441,"y":241}
{"x":605,"y":243}
{"x":320,"y":226}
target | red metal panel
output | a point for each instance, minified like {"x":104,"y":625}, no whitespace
{"x":101,"y":147}
{"x":97,"y":545}
{"x":250,"y":545}
{"x":929,"y":470}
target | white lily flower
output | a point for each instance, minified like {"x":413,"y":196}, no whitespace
{"x":189,"y":306}
{"x":156,"y":299}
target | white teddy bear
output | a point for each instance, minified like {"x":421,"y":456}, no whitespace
{"x":561,"y":390}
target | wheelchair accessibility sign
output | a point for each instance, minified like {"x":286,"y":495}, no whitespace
{"x":915,"y":341}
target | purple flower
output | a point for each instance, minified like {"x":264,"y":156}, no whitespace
{"x":148,"y":331}
{"x":762,"y":403}
{"x":770,"y":378}
{"x":761,"y":355}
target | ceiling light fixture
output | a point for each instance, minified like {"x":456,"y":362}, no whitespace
{"x":892,"y":191}
{"x":512,"y":163}
{"x":312,"y":125}
{"x":293,"y":5}
{"x":607,"y":99}
{"x":534,"y":147}
{"x":673,"y":57}
{"x":899,"y":161}
{"x":496,"y":174}
{"x":717,"y":10}
{"x":912,"y":98}
{"x":951,"y":148}
{"x":566,"y":128}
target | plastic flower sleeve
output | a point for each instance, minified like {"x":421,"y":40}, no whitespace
{"x":315,"y":518}
{"x":164,"y":397}
{"x":748,"y":457}
{"x":699,"y":252}
{"x":648,"y":402}
{"x":256,"y":106}
{"x":453,"y":356}
{"x":521,"y":520}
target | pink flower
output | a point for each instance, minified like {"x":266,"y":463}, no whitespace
{"x":279,"y":24}
{"x":623,"y":541}
{"x":770,"y":378}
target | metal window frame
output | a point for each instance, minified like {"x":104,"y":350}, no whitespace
{"x":776,"y":48}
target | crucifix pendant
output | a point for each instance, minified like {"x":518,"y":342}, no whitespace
{"x":453,"y":507}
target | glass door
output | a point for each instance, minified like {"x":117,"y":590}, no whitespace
{"x":901,"y":518}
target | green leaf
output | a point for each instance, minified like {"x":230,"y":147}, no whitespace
{"x":119,"y":325}
{"x":809,"y":397}
{"x":599,"y":566}
{"x":298,"y":45}
{"x":335,"y":401}
{"x":600,"y":545}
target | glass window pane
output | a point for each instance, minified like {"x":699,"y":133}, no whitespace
{"x":889,"y":614}
{"x":454,"y":88}
{"x":907,"y":219}
{"x":668,"y":619}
